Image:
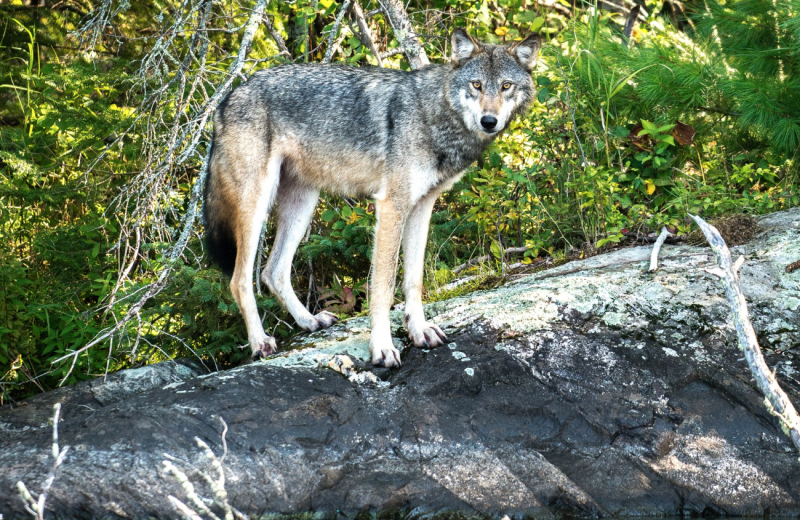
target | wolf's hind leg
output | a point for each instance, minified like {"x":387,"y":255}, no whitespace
{"x":256,"y":196}
{"x":415,"y":237}
{"x":296,"y":204}
{"x":388,"y":233}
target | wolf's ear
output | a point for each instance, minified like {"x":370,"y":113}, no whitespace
{"x":464,"y":46}
{"x":526,"y":51}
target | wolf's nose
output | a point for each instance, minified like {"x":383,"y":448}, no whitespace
{"x":488,"y":122}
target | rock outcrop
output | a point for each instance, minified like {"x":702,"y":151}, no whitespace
{"x":591,"y":389}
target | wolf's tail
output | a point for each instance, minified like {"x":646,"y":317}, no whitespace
{"x":219,"y":221}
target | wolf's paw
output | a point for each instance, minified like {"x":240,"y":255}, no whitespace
{"x":322,"y":320}
{"x":385,"y":356}
{"x":264,"y":347}
{"x":426,"y":334}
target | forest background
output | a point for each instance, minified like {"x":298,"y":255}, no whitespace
{"x":641,"y":117}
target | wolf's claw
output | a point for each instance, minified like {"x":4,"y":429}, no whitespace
{"x":264,"y":348}
{"x":386,"y":357}
{"x":322,"y":320}
{"x":428,"y":335}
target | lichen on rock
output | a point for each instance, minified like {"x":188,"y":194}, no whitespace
{"x":594,"y":388}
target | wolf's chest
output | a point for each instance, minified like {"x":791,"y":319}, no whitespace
{"x":455,"y":154}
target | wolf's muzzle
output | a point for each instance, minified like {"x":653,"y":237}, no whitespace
{"x":488,"y":123}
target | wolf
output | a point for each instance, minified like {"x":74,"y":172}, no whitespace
{"x":400,"y":137}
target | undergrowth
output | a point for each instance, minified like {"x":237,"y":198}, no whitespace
{"x":621,"y":140}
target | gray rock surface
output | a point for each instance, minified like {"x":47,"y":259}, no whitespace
{"x":591,"y":389}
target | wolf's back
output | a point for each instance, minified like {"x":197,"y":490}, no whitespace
{"x":220,"y":238}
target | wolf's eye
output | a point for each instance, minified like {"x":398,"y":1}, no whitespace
{"x":476,"y":84}
{"x":506,"y":85}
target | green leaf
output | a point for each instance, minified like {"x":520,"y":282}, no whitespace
{"x":544,"y":95}
{"x":526,"y":16}
{"x":328,"y":215}
{"x":537,"y":23}
{"x":620,"y":131}
{"x":647,"y":125}
{"x":496,"y":251}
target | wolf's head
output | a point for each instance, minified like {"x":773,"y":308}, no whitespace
{"x":490,"y":84}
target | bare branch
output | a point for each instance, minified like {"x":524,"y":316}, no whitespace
{"x":571,"y":111}
{"x":277,"y":37}
{"x":183,"y":509}
{"x":630,"y":23}
{"x":484,"y":258}
{"x":404,"y":33}
{"x":366,"y":34}
{"x":335,"y":30}
{"x":147,"y":196}
{"x":391,"y":52}
{"x":656,"y":248}
{"x":777,"y":401}
{"x":217,"y":485}
{"x":37,"y":506}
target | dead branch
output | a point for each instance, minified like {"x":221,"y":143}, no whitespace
{"x":656,"y":248}
{"x":391,"y":52}
{"x":147,"y":195}
{"x":630,"y":23}
{"x":366,"y":34}
{"x":404,"y":33}
{"x":485,"y":258}
{"x":335,"y":30}
{"x":777,"y":401}
{"x":277,"y":37}
{"x":217,"y":485}
{"x":36,"y":507}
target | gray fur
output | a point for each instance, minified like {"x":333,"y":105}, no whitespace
{"x":400,"y":137}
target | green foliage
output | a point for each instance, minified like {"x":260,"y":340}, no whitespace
{"x":602,"y":154}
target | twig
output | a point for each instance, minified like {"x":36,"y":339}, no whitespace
{"x":777,"y":402}
{"x":37,"y":506}
{"x":391,"y":52}
{"x":217,"y":485}
{"x":484,"y":258}
{"x":630,"y":23}
{"x":366,"y":34}
{"x":404,"y":33}
{"x":183,"y":509}
{"x":277,"y":37}
{"x":571,"y":110}
{"x":334,"y":31}
{"x":187,"y":144}
{"x":656,"y":248}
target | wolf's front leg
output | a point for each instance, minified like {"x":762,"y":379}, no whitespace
{"x":388,"y":232}
{"x":423,"y":333}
